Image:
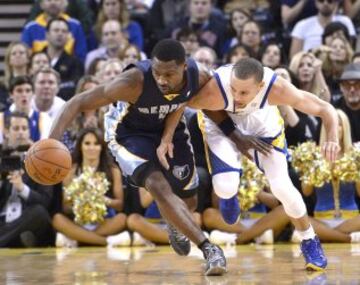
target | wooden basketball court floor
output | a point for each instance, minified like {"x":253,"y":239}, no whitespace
{"x":251,"y":264}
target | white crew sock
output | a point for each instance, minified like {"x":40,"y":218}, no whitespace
{"x":307,"y":234}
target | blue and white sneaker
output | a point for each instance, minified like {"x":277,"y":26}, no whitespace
{"x":315,"y":258}
{"x":230,"y":209}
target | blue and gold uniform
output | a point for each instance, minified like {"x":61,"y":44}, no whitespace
{"x":134,"y":132}
{"x":326,"y":203}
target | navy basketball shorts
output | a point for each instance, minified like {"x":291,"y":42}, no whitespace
{"x":135,"y":151}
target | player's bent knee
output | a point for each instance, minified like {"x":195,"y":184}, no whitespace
{"x":289,"y":196}
{"x":226,"y":184}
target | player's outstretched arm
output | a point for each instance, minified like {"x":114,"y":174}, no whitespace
{"x":127,"y":87}
{"x":284,"y":93}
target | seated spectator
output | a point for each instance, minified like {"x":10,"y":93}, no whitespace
{"x":112,"y":42}
{"x":162,"y":15}
{"x":307,"y":33}
{"x":117,"y":10}
{"x":335,"y":29}
{"x":111,"y":69}
{"x":336,"y":212}
{"x":17,"y":57}
{"x":39,"y":60}
{"x":210,"y":27}
{"x":77,"y":9}
{"x":21,"y":92}
{"x":69,"y":67}
{"x":46,"y":87}
{"x":308,"y":71}
{"x":350,"y":100}
{"x":206,"y":56}
{"x":96,"y":67}
{"x":91,"y":151}
{"x":24,"y":217}
{"x":272,"y":56}
{"x":189,"y":39}
{"x":238,"y":17}
{"x":251,"y":37}
{"x":34,"y":33}
{"x":88,"y":119}
{"x":130,"y":55}
{"x":337,"y":55}
{"x":236,"y":53}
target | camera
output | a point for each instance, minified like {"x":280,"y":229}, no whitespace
{"x":12,"y":159}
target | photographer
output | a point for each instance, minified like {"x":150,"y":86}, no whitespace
{"x":24,"y":219}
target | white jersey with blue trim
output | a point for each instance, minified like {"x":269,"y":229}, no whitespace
{"x":257,"y":117}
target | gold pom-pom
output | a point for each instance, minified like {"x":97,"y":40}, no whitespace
{"x":308,"y":161}
{"x":87,"y":195}
{"x":347,"y":168}
{"x":251,"y":183}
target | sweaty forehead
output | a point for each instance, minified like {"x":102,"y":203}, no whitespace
{"x":163,"y":66}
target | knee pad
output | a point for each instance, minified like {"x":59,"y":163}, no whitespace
{"x":289,"y":196}
{"x":226,"y":184}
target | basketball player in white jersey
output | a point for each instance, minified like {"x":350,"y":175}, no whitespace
{"x":249,"y":93}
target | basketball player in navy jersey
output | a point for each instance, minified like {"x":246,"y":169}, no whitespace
{"x":140,"y":99}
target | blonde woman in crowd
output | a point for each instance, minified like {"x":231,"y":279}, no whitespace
{"x":308,"y":71}
{"x":17,"y":58}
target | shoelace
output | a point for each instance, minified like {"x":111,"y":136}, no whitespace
{"x":212,"y":253}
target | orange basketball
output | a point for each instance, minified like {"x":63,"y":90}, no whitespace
{"x":48,"y":161}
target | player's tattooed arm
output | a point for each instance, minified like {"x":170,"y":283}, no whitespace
{"x":127,"y":87}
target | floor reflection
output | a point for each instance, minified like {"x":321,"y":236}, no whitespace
{"x":271,"y":264}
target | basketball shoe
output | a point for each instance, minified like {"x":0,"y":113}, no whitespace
{"x":215,"y":260}
{"x":314,"y":255}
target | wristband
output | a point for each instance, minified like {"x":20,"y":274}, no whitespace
{"x":227,"y":126}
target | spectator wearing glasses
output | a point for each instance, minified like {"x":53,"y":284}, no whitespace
{"x":350,"y":101}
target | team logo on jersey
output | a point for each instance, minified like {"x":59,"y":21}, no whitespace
{"x":170,"y":97}
{"x":181,"y":172}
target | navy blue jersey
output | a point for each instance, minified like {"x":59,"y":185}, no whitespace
{"x":152,"y":107}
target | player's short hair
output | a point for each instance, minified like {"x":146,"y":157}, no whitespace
{"x":246,"y":68}
{"x":168,"y":50}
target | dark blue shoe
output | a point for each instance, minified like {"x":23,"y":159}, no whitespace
{"x":314,"y":255}
{"x":230,"y":209}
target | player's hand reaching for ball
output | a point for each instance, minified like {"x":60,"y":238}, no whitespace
{"x":165,"y":148}
{"x":330,"y":150}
